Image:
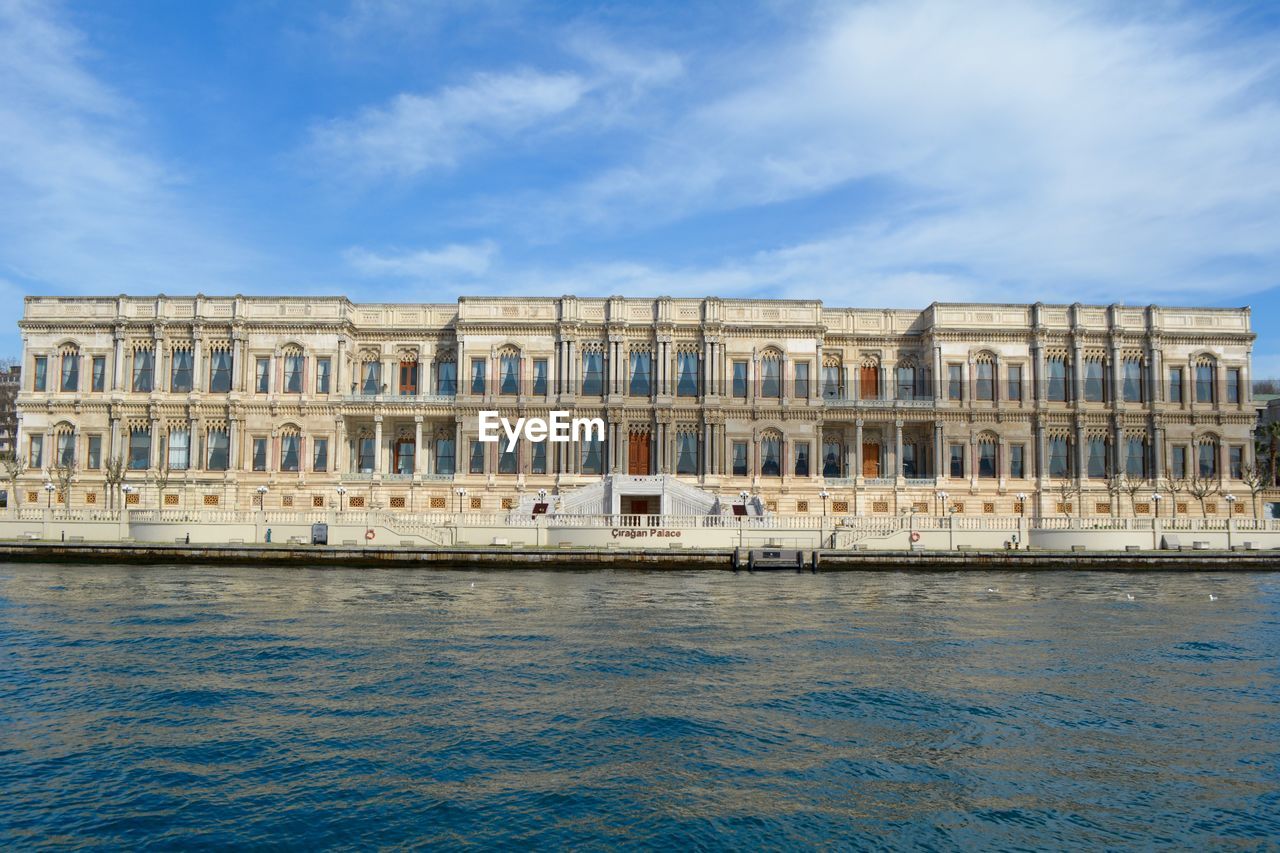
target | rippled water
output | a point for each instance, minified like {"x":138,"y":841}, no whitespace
{"x":195,"y":706}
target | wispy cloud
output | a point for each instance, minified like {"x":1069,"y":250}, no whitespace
{"x":1023,"y":144}
{"x":417,"y":133}
{"x":87,"y":208}
{"x":469,"y":260}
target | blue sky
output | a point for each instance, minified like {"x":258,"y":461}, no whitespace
{"x":877,"y":154}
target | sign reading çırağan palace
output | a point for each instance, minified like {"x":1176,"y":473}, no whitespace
{"x":866,"y":410}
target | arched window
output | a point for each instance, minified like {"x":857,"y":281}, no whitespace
{"x":832,"y":378}
{"x":988,"y":463}
{"x":508,"y":375}
{"x":1205,"y":367}
{"x":771,"y":374}
{"x":1098,"y":460}
{"x":771,"y":454}
{"x":832,"y":458}
{"x":984,"y":377}
{"x":409,"y":372}
{"x":402,"y":452}
{"x":907,"y":378}
{"x":178,"y":452}
{"x":370,"y":377}
{"x":447,"y":374}
{"x":1060,"y":455}
{"x":290,"y":449}
{"x":640,"y":376}
{"x":1207,"y":457}
{"x":869,"y":378}
{"x":70,"y":379}
{"x":1095,"y":378}
{"x":687,"y":450}
{"x":181,"y":368}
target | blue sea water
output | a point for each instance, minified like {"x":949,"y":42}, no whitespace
{"x":200,"y":707}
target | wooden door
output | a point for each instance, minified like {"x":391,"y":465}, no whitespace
{"x":638,"y":453}
{"x":870,"y":460}
{"x":640,"y":506}
{"x":870,"y":382}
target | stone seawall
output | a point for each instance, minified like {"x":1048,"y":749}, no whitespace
{"x":596,"y":558}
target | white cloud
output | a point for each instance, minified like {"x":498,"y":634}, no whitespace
{"x":1021,"y":143}
{"x":87,"y":209}
{"x":417,"y":133}
{"x":470,"y":260}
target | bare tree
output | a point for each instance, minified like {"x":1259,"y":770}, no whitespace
{"x":1256,"y":476}
{"x":12,"y":466}
{"x":163,"y":474}
{"x":1115,"y":488}
{"x":1131,"y":486}
{"x":1200,"y":487}
{"x":1066,"y":490}
{"x":1174,"y":486}
{"x":113,"y":471}
{"x":64,"y":474}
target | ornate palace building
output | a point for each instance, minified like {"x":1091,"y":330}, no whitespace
{"x":957,"y":407}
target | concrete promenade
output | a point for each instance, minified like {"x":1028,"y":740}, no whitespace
{"x":570,"y":559}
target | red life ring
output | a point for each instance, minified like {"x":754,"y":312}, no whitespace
{"x":368,"y":534}
{"x":915,"y":536}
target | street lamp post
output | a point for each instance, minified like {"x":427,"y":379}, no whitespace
{"x":461,"y":493}
{"x":951,"y":528}
{"x":822,"y":532}
{"x":942,"y":504}
{"x":742,"y":519}
{"x":127,"y":490}
{"x":262,"y":497}
{"x":1022,"y":518}
{"x":49,"y":489}
{"x":1231,"y":516}
{"x":342,"y":492}
{"x":1156,"y":497}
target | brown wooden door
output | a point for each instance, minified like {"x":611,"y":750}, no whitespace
{"x":870,"y":460}
{"x":638,"y":454}
{"x":870,"y":381}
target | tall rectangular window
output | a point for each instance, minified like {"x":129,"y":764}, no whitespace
{"x":509,"y":375}
{"x":540,"y":377}
{"x":143,"y":370}
{"x":1204,"y":383}
{"x":769,"y":383}
{"x":831,"y":459}
{"x":739,"y":459}
{"x":538,"y":457}
{"x":593,"y":373}
{"x":293,"y":373}
{"x":641,"y":363}
{"x":957,"y":460}
{"x":1178,"y":462}
{"x":94,"y":453}
{"x":444,"y":456}
{"x":1235,"y":458}
{"x":1208,"y":460}
{"x":832,"y":384}
{"x":507,"y":461}
{"x":1132,"y":380}
{"x":1097,"y":458}
{"x":906,"y":383}
{"x":98,"y":382}
{"x":1056,"y":366}
{"x":259,"y":454}
{"x":1175,"y":384}
{"x":447,"y":378}
{"x":955,"y":382}
{"x":1015,"y":382}
{"x":70,"y":371}
{"x":179,"y":449}
{"x":1017,"y":461}
{"x":740,"y":379}
{"x":986,"y":460}
{"x":66,"y":449}
{"x":35,"y":452}
{"x":403,"y":452}
{"x":909,"y":467}
{"x":320,"y":454}
{"x":802,"y":459}
{"x":686,"y":453}
{"x":592,"y":456}
{"x":686,"y":374}
{"x":290,"y":452}
{"x":478,"y":367}
{"x":770,"y":457}
{"x":985,"y":380}
{"x":408,"y":378}
{"x":477,"y":457}
{"x":181,"y":370}
{"x":219,"y":450}
{"x":371,"y":377}
{"x":1094,"y":381}
{"x":262,"y":375}
{"x":802,"y":380}
{"x":220,"y":371}
{"x":139,"y":449}
{"x":1233,"y":385}
{"x":40,"y":375}
{"x":1059,"y":457}
{"x":1135,"y":459}
{"x":324,"y":373}
{"x":366,"y":454}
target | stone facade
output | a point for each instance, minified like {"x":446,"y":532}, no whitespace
{"x":322,"y":400}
